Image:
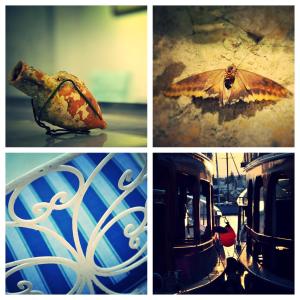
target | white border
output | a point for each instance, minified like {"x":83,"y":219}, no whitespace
{"x":150,"y":149}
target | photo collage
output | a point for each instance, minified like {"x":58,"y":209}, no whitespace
{"x":149,"y":147}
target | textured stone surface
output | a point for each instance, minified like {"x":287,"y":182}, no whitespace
{"x":189,"y":40}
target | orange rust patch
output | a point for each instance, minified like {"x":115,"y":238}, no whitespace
{"x":74,"y":105}
{"x":91,"y":120}
{"x":66,"y":90}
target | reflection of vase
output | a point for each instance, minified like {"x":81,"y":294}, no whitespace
{"x":68,"y":108}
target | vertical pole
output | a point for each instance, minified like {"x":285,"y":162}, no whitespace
{"x":239,"y":225}
{"x":227,"y":177}
{"x":217,"y":166}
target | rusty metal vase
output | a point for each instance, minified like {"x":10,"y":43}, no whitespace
{"x":61,"y":99}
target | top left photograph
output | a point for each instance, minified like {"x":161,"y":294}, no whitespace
{"x":76,"y":76}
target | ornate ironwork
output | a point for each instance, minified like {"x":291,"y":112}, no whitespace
{"x":88,"y":272}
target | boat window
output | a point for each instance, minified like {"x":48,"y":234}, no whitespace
{"x":261,"y":210}
{"x":205,"y":215}
{"x":259,"y":206}
{"x":250,"y":203}
{"x":189,"y":218}
{"x":159,"y":196}
{"x":184,"y":221}
{"x":192,"y":217}
{"x":283,"y":207}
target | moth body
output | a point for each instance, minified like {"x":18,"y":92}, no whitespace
{"x":229,"y":77}
{"x":227,"y":84}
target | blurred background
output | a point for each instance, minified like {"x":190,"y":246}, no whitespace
{"x":102,"y":45}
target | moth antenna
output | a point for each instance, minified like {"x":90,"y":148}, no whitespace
{"x":249,"y":48}
{"x":242,"y":61}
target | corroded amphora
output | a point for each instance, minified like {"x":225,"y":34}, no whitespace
{"x":61,"y":99}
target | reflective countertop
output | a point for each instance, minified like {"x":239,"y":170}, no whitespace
{"x":127,"y":127}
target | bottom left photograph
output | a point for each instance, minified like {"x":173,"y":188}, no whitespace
{"x":76,"y":223}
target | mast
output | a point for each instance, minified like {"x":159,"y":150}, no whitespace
{"x":217,"y":167}
{"x":227,"y":179}
{"x":235,"y":165}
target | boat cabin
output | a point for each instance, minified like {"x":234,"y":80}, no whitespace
{"x":185,"y":258}
{"x":268,"y":220}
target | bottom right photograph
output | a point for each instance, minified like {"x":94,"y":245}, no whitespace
{"x":223,"y":223}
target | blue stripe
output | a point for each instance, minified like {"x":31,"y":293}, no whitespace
{"x":20,"y":250}
{"x":11,"y":282}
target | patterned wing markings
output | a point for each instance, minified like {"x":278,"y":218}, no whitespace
{"x":260,"y":88}
{"x":247,"y":86}
{"x":204,"y":85}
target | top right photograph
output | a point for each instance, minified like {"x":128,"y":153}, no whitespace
{"x":223,"y":76}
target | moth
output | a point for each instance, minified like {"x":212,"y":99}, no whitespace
{"x":229,"y":86}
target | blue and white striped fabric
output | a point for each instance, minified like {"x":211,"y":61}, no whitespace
{"x":112,"y":250}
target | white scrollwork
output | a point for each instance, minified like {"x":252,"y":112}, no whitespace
{"x":88,"y":273}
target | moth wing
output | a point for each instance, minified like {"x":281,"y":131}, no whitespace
{"x":240,"y":91}
{"x":204,"y":85}
{"x":253,"y":87}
